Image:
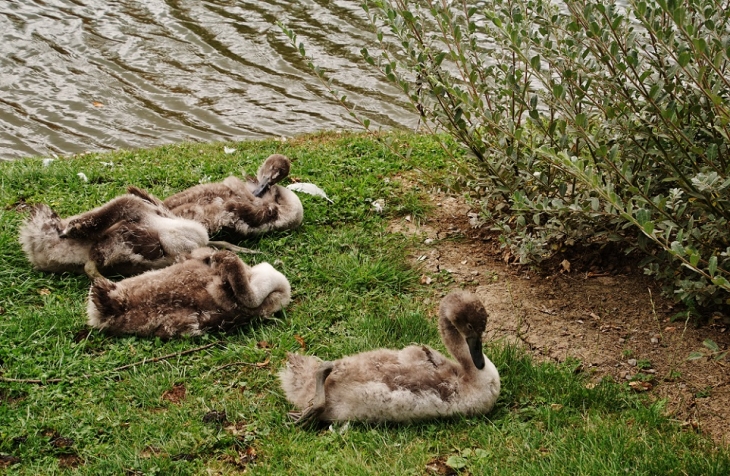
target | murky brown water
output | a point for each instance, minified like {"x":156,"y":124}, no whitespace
{"x":78,"y":75}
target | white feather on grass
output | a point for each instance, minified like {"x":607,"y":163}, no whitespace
{"x":228,"y":150}
{"x":379,"y":205}
{"x":309,"y":188}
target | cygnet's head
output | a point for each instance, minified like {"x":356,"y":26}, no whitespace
{"x":274,"y":169}
{"x":466,"y":312}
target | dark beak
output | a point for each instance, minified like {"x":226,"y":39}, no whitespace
{"x":261,"y":189}
{"x":475,"y":350}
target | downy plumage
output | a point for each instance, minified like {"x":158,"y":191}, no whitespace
{"x":250,"y":207}
{"x":129,"y":234}
{"x":206,"y":290}
{"x":414,"y":383}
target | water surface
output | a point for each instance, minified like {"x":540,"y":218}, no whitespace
{"x":79,"y":75}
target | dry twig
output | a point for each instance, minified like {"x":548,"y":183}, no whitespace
{"x":116,"y":369}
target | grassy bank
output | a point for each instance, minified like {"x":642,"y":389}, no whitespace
{"x":102,"y":405}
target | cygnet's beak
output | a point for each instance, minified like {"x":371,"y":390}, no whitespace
{"x":475,"y":350}
{"x":262,"y":188}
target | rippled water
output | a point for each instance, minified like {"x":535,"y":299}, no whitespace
{"x":80,"y":75}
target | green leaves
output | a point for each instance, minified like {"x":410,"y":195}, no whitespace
{"x":584,"y":125}
{"x":712,"y":265}
{"x":684,"y":58}
{"x":715,"y":353}
{"x":535,"y":62}
{"x":710,"y":344}
{"x":456,"y":462}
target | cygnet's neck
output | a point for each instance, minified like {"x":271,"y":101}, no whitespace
{"x":456,"y":344}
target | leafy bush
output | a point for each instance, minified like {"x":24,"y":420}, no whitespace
{"x":590,"y":122}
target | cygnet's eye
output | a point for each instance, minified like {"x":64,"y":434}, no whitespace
{"x":470,"y":327}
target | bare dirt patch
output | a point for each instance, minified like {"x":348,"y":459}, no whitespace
{"x":176,"y":394}
{"x":612,"y":318}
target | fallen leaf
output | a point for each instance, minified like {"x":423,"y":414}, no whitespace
{"x":640,"y":386}
{"x":250,"y":454}
{"x":425,"y":279}
{"x":474,"y":220}
{"x":44,"y":291}
{"x":149,"y":452}
{"x":299,"y":339}
{"x":438,"y":466}
{"x":97,"y":104}
{"x":263,"y":364}
{"x":263,"y":345}
{"x":61,"y":442}
{"x":244,"y":457}
{"x":237,"y":429}
{"x":694,"y":424}
{"x":506,"y":255}
{"x":565,"y":264}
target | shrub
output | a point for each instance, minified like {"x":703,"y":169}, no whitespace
{"x":589,"y":122}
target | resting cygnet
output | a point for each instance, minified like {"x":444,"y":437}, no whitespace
{"x":130,"y":234}
{"x":410,"y":384}
{"x":207,"y":291}
{"x":249,"y":207}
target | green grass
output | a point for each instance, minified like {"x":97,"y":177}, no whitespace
{"x":353,"y":290}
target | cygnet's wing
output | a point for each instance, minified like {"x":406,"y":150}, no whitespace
{"x":199,"y":195}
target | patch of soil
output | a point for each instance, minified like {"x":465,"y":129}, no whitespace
{"x":439,"y":466}
{"x":8,"y":460}
{"x":69,"y":461}
{"x":610,"y":317}
{"x":176,"y":394}
{"x":215,"y":417}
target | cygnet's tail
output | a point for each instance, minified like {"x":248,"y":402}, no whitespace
{"x":40,"y":238}
{"x":298,"y":379}
{"x":102,"y":307}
